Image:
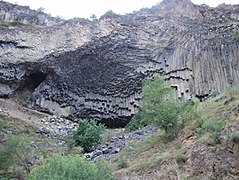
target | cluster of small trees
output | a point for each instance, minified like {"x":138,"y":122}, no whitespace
{"x":161,"y":107}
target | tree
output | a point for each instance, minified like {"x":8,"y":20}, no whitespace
{"x":161,"y":106}
{"x":15,"y":151}
{"x":109,"y":13}
{"x":87,"y":134}
{"x":40,"y":9}
{"x":93,"y":17}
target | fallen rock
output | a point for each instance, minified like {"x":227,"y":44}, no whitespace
{"x":116,"y":144}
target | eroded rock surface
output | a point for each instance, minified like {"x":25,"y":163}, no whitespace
{"x":13,"y":14}
{"x":95,"y":69}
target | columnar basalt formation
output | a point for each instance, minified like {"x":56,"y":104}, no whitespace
{"x":94,"y":69}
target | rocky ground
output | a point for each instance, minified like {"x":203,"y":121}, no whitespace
{"x":51,"y":134}
{"x":210,"y":155}
{"x":116,"y":144}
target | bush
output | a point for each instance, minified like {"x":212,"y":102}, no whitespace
{"x":232,"y":91}
{"x":87,"y":134}
{"x":15,"y":151}
{"x":71,"y":167}
{"x":1,"y":125}
{"x":235,"y":138}
{"x":235,"y":35}
{"x":212,"y":125}
{"x":161,"y":107}
{"x":136,"y":122}
{"x":181,"y":159}
{"x":122,"y":163}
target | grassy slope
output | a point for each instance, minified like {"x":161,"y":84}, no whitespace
{"x":155,"y":159}
{"x":24,"y":131}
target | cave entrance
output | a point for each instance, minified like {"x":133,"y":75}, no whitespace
{"x":34,"y":80}
{"x":31,"y":82}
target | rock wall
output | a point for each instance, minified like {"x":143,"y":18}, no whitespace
{"x":80,"y":68}
{"x":13,"y":14}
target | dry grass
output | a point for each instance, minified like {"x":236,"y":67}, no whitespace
{"x":25,"y":130}
{"x":155,"y":159}
{"x":108,"y":134}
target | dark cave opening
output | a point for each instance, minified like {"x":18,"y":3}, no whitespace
{"x":34,"y":80}
{"x":28,"y":86}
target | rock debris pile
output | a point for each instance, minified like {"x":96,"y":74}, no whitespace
{"x":54,"y":127}
{"x":116,"y":144}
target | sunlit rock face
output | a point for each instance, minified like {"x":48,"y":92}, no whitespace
{"x":94,"y":69}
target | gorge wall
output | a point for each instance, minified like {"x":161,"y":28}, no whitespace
{"x":94,"y":69}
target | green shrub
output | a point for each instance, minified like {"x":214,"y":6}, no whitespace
{"x":71,"y":167}
{"x":87,"y":134}
{"x":235,"y":35}
{"x":136,"y":122}
{"x":1,"y":125}
{"x":181,"y":159}
{"x":14,"y":152}
{"x":232,"y":91}
{"x":212,"y":125}
{"x":161,"y":107}
{"x":122,"y":163}
{"x":132,"y":125}
{"x":235,"y":138}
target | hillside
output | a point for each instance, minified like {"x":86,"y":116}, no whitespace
{"x":206,"y":148}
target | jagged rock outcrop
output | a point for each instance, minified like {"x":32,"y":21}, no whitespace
{"x":15,"y":15}
{"x":79,"y":68}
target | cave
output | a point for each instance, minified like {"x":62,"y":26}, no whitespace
{"x":34,"y":80}
{"x":28,"y":86}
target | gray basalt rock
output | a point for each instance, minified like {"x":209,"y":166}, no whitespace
{"x":113,"y":146}
{"x":84,"y":69}
{"x":13,"y":14}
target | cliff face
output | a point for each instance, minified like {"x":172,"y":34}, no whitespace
{"x":79,"y":68}
{"x":23,"y":15}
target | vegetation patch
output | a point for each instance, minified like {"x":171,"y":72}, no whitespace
{"x":71,"y":167}
{"x":21,"y":145}
{"x":235,"y":138}
{"x":212,"y":126}
{"x":235,"y":35}
{"x":181,"y":159}
{"x":87,"y":134}
{"x":5,"y":24}
{"x":232,"y":91}
{"x":161,"y":107}
{"x":15,"y":152}
{"x":1,"y":125}
{"x":122,"y":163}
